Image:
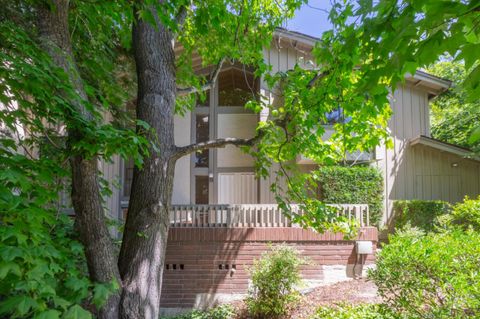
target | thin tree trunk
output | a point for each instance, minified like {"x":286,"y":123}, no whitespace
{"x":86,"y":197}
{"x":144,"y":243}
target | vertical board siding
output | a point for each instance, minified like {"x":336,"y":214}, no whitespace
{"x":111,"y":172}
{"x":421,"y":172}
{"x":281,"y":59}
{"x":237,"y":188}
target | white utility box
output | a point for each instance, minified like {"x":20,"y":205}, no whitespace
{"x":364,"y":247}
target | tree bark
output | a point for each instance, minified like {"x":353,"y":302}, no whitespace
{"x":144,"y":242}
{"x":86,"y":197}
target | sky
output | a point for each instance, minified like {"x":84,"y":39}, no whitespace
{"x":311,"y":18}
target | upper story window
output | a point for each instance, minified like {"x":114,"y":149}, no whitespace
{"x":205,"y":100}
{"x":236,"y":87}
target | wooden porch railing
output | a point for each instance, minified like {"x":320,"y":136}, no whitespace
{"x":251,"y":215}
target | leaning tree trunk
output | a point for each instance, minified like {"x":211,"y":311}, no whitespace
{"x":86,"y":197}
{"x":145,"y":237}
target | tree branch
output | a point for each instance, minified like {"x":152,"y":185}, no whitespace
{"x":222,"y":142}
{"x":217,"y":143}
{"x":180,"y":18}
{"x":206,"y":86}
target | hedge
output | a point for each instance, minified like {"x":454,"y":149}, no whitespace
{"x":422,"y":214}
{"x":352,"y":185}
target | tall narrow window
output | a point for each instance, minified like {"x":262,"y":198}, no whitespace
{"x":201,"y":135}
{"x":201,"y":189}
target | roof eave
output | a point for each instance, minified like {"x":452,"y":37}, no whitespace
{"x":442,"y":146}
{"x":432,"y":84}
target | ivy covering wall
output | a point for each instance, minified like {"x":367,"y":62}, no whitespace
{"x":352,"y":185}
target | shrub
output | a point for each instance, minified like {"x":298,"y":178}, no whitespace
{"x":274,"y":277}
{"x":422,"y":214}
{"x":42,"y":268}
{"x":365,"y":311}
{"x":466,"y":214}
{"x":430,"y":276}
{"x":352,"y":185}
{"x":220,"y":312}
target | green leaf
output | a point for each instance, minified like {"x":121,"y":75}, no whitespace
{"x":18,"y":304}
{"x":475,"y":136}
{"x":77,"y":312}
{"x":9,"y":267}
{"x":101,"y":292}
{"x":25,"y":304}
{"x":49,"y":314}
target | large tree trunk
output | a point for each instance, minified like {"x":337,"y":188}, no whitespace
{"x":145,"y":237}
{"x":86,"y":197}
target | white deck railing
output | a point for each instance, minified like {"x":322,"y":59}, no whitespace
{"x":251,"y":215}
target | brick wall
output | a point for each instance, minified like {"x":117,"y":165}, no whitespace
{"x":199,"y":261}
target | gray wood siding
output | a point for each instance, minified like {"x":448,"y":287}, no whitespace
{"x":420,"y":172}
{"x":282,"y":58}
{"x":111,"y":172}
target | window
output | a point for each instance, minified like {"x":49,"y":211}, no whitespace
{"x":127,"y":178}
{"x":205,"y":102}
{"x":201,"y":189}
{"x":236,"y":87}
{"x":201,"y":135}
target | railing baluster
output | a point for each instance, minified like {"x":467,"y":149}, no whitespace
{"x":253,"y":215}
{"x":368,"y":216}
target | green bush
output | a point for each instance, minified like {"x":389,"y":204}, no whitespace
{"x":220,"y":312}
{"x":422,"y":214}
{"x":430,"y":276}
{"x":364,"y":311}
{"x":43,"y":271}
{"x":352,"y":185}
{"x":274,"y":277}
{"x":466,"y":214}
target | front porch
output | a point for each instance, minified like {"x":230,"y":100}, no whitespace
{"x":211,"y":248}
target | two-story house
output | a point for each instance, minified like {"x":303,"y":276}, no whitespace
{"x":223,"y":216}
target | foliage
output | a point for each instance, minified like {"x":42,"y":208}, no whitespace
{"x":422,"y":214}
{"x":430,"y":276}
{"x":42,"y":270}
{"x":454,"y":117}
{"x":352,"y":185}
{"x":226,"y":29}
{"x":365,"y":311}
{"x":402,"y":36}
{"x":371,"y":49}
{"x":274,"y":277}
{"x":219,"y":312}
{"x":464,"y":215}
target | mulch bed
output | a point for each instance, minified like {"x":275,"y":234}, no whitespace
{"x":346,"y":292}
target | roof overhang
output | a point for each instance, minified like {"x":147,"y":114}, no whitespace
{"x":297,"y":39}
{"x":432,"y":84}
{"x":444,"y":147}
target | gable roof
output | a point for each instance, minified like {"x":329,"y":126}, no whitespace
{"x":443,"y":146}
{"x":434,"y":85}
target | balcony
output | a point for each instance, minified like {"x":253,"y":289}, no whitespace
{"x":252,"y":215}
